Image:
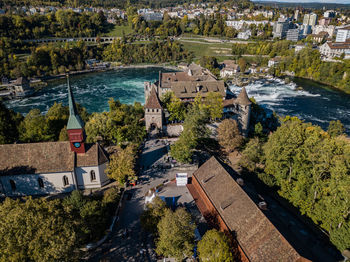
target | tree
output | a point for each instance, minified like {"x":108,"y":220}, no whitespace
{"x":34,"y":127}
{"x":335,"y":128}
{"x":252,"y":154}
{"x":214,"y":104}
{"x":242,"y":64}
{"x":9,"y":122}
{"x":176,"y":234}
{"x":152,"y":215}
{"x":214,"y":247}
{"x":228,"y":135}
{"x":176,"y":109}
{"x":121,"y":165}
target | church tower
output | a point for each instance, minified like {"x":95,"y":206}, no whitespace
{"x":153,"y":111}
{"x":75,"y":126}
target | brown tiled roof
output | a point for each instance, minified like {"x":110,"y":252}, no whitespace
{"x":257,"y":236}
{"x":152,"y":100}
{"x":167,"y":79}
{"x":341,"y":45}
{"x":186,"y":90}
{"x":48,"y":157}
{"x":243,"y":98}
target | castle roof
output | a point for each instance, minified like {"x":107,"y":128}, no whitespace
{"x":256,"y":235}
{"x":48,"y":157}
{"x":243,"y":98}
{"x":190,"y":89}
{"x":153,"y":101}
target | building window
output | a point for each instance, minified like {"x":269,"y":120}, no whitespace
{"x":92,"y":176}
{"x":41,"y":183}
{"x":65,"y":181}
{"x":13,"y":185}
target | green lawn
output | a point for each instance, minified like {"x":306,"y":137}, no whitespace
{"x":208,"y":49}
{"x":118,"y":30}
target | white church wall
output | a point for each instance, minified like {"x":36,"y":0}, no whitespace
{"x":28,"y":184}
{"x":84,"y":176}
{"x":103,"y":176}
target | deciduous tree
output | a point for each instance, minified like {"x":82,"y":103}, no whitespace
{"x":229,"y":135}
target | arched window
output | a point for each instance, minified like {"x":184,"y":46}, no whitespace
{"x":13,"y":185}
{"x":65,"y":181}
{"x":40,"y":182}
{"x":92,"y":176}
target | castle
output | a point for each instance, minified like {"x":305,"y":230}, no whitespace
{"x":186,"y":85}
{"x":53,"y":167}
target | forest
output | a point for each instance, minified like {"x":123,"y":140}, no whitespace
{"x":53,"y":230}
{"x":310,"y":168}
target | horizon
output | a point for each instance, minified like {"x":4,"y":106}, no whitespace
{"x":345,"y":2}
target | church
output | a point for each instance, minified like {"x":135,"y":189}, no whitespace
{"x":53,"y":167}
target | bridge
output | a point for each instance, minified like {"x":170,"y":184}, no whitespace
{"x":104,"y":39}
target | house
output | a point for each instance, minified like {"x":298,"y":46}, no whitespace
{"x":22,"y":87}
{"x":298,"y":48}
{"x":343,"y":34}
{"x":230,"y":68}
{"x":244,"y":35}
{"x":225,"y":205}
{"x":319,"y":38}
{"x":53,"y":167}
{"x":274,"y":61}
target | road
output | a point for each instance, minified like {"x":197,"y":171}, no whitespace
{"x":119,"y":248}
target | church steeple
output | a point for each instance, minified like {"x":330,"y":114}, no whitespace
{"x":74,"y":121}
{"x":75,"y":126}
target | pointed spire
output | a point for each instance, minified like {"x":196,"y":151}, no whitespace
{"x":74,"y":121}
{"x":243,"y":98}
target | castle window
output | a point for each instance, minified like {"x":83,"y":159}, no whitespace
{"x":92,"y":176}
{"x":65,"y":181}
{"x":13,"y":185}
{"x":40,"y":182}
{"x":152,"y":110}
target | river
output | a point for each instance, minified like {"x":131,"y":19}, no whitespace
{"x":315,"y":103}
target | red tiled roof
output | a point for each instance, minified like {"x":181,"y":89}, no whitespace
{"x":152,"y":100}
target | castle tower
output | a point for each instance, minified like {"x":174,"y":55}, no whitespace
{"x":75,"y":126}
{"x":244,"y":112}
{"x":153,"y":111}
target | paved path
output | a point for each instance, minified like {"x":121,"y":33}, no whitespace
{"x":127,"y":248}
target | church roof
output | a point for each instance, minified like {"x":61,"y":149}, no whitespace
{"x":256,"y":235}
{"x":153,"y":101}
{"x":48,"y":157}
{"x":74,"y":121}
{"x":243,"y":98}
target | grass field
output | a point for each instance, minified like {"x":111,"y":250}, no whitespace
{"x":118,"y":30}
{"x":208,"y":49}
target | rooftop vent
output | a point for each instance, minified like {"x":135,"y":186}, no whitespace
{"x":262,"y":205}
{"x":240,"y":181}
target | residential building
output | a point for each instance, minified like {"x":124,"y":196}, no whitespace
{"x":310,"y":19}
{"x":53,"y":167}
{"x":343,"y":34}
{"x":244,"y":35}
{"x":296,"y":14}
{"x":293,"y":35}
{"x":230,"y":68}
{"x":330,"y":29}
{"x":329,"y":14}
{"x":281,"y":27}
{"x":22,"y":88}
{"x":274,"y":61}
{"x":298,"y":48}
{"x":319,"y":38}
{"x":325,"y":21}
{"x":238,"y":25}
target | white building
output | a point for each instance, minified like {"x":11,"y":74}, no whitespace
{"x":331,"y":50}
{"x":230,"y":68}
{"x":343,"y":34}
{"x":244,"y":35}
{"x":330,"y":29}
{"x":53,"y":167}
{"x":274,"y":61}
{"x":238,"y":25}
{"x":310,"y":19}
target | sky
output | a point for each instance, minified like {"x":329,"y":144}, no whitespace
{"x":311,"y":1}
